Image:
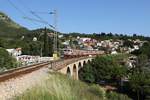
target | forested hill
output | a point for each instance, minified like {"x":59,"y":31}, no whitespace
{"x":13,"y":35}
{"x":8,"y":28}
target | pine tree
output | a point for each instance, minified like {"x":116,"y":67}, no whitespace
{"x":46,"y":45}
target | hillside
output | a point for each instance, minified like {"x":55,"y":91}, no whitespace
{"x":8,"y":28}
{"x":60,"y":87}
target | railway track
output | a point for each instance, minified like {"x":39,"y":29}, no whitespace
{"x":16,"y":72}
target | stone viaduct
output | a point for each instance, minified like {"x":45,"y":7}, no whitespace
{"x":71,"y":67}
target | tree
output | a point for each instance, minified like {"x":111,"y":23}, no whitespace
{"x":134,"y":35}
{"x":110,"y":34}
{"x":86,"y":74}
{"x":6,"y":61}
{"x":143,"y":50}
{"x":35,"y":48}
{"x":128,"y":43}
{"x":140,"y":78}
{"x":25,"y":48}
{"x":50,"y":41}
{"x":46,"y":45}
{"x":103,"y":34}
{"x":105,"y":68}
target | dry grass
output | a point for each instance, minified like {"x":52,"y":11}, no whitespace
{"x":60,"y":87}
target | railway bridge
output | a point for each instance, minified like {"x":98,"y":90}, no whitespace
{"x":77,"y":59}
{"x":70,"y":67}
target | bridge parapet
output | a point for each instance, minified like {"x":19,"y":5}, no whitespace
{"x":58,"y":65}
{"x":70,"y":66}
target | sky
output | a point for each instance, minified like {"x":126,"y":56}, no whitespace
{"x":84,"y":16}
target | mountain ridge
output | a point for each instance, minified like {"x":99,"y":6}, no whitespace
{"x":9,"y":28}
{"x":5,"y":18}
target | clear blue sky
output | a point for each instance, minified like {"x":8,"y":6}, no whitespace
{"x":86,"y":16}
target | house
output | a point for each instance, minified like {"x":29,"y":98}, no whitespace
{"x":114,"y":52}
{"x":15,"y":52}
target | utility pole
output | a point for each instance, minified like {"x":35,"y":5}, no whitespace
{"x":55,"y":45}
{"x":54,"y":26}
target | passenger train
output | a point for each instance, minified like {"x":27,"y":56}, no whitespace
{"x":70,"y":53}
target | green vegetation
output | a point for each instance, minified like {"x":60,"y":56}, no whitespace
{"x":104,"y":68}
{"x":46,"y":44}
{"x":13,"y":35}
{"x":116,"y":96}
{"x":60,"y":87}
{"x":128,"y":43}
{"x":139,"y":78}
{"x":110,"y":70}
{"x":6,"y":60}
{"x":9,"y":28}
{"x":5,"y":18}
{"x":145,"y":49}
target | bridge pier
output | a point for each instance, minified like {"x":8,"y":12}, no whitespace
{"x":68,"y":72}
{"x":71,"y":69}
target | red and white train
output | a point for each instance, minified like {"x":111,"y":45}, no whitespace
{"x":70,"y":53}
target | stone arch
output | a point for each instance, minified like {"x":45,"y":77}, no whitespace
{"x":84,"y":62}
{"x":79,"y":65}
{"x":75,"y":71}
{"x":68,"y":72}
{"x":88,"y":61}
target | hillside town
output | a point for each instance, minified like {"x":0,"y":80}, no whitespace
{"x":108,"y":46}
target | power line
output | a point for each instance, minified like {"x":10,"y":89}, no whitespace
{"x":33,"y":13}
{"x":16,"y":8}
{"x":19,"y":10}
{"x":43,"y":12}
{"x":39,"y":17}
{"x":41,"y":20}
{"x":36,"y":15}
{"x":55,"y":44}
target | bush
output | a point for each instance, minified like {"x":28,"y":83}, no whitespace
{"x":6,"y":61}
{"x":115,"y":96}
{"x":103,"y":68}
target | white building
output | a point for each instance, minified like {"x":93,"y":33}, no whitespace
{"x":136,"y":47}
{"x":14,"y":52}
{"x":114,"y":52}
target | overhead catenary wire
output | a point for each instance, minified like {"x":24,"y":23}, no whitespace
{"x":36,"y":20}
{"x":20,"y":11}
{"x":54,"y":13}
{"x":13,"y":5}
{"x":40,"y":19}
